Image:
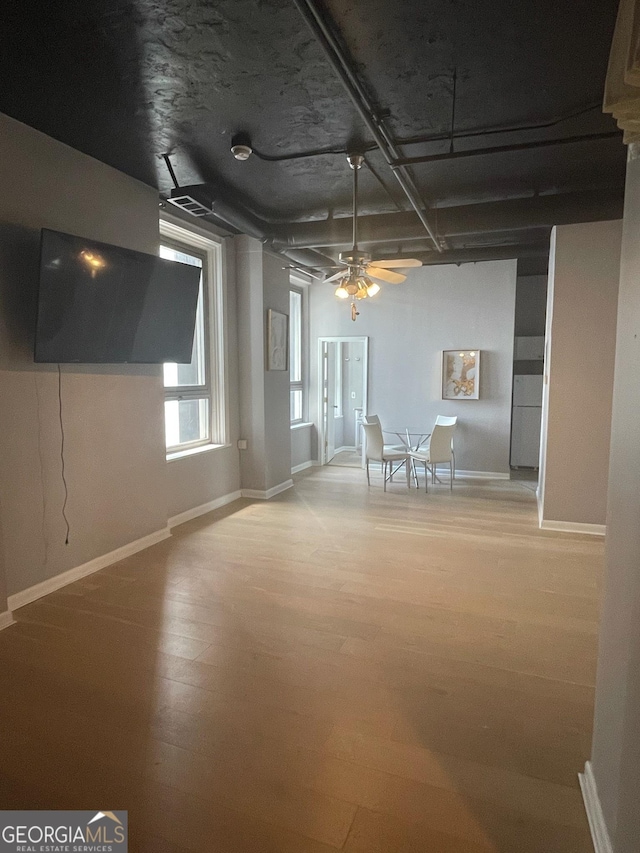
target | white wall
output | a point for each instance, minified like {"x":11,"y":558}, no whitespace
{"x":616,"y":735}
{"x":584,"y":271}
{"x":408,"y":325}
{"x":352,"y":354}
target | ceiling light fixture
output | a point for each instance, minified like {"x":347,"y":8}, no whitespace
{"x":241,"y":147}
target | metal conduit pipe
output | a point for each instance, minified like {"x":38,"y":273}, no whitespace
{"x":375,"y":123}
{"x":504,"y":149}
{"x":443,"y":136}
{"x":485,"y":253}
{"x":508,"y":215}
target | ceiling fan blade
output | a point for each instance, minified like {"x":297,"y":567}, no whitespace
{"x":399,"y":263}
{"x":385,"y":275}
{"x":336,"y":276}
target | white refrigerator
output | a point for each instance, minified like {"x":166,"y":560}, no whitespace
{"x":525,"y":421}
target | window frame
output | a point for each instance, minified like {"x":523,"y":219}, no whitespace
{"x":300,"y":286}
{"x":209,"y":250}
{"x":296,"y":384}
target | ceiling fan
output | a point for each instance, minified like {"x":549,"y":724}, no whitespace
{"x":355,"y":281}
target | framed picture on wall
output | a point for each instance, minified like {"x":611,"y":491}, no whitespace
{"x":277,"y":340}
{"x":461,"y":374}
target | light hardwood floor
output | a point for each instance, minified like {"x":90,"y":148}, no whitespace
{"x":337,"y":668}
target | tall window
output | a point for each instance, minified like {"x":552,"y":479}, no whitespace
{"x":295,"y":357}
{"x":194,"y":393}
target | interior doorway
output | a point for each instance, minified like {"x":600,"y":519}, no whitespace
{"x":343,"y":373}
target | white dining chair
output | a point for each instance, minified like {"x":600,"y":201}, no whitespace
{"x":375,"y":451}
{"x":374,"y":419}
{"x":449,"y":420}
{"x":438,"y":452}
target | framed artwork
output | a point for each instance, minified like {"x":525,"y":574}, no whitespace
{"x":277,"y":340}
{"x":461,"y":374}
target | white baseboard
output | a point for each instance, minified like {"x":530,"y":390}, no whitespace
{"x":203,"y":509}
{"x":52,"y":584}
{"x":270,"y":493}
{"x":574,"y":527}
{"x":480,"y":475}
{"x":302,"y":467}
{"x":6,"y":619}
{"x":599,"y":832}
{"x":346,"y":448}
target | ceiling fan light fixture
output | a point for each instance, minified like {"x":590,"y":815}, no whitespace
{"x":356,"y":283}
{"x":363,"y":284}
{"x":351,"y":285}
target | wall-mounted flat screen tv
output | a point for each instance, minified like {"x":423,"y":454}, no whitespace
{"x":101,"y":304}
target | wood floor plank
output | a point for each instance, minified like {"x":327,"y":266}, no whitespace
{"x":415,"y":673}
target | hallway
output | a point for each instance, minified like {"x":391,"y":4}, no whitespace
{"x":337,"y":668}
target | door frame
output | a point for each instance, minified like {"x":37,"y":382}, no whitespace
{"x":348,"y":339}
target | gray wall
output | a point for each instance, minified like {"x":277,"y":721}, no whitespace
{"x":531,"y":305}
{"x":113,"y":418}
{"x":409,"y":325}
{"x":580,"y":350}
{"x":301,"y":449}
{"x":531,"y":308}
{"x":616,"y":737}
{"x":251,"y":361}
{"x":3,"y":581}
{"x":264,"y":394}
{"x":120,"y":486}
{"x":276,"y":382}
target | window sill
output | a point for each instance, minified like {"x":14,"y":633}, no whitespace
{"x":301,"y":425}
{"x":194,"y":451}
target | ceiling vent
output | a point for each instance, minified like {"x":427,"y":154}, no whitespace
{"x":193,"y":200}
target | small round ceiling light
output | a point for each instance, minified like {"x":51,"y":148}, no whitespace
{"x":241,"y":147}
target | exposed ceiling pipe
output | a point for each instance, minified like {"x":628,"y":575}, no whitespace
{"x":485,"y":253}
{"x":543,"y":124}
{"x":495,"y":239}
{"x":504,"y":149}
{"x":374,"y":122}
{"x":247,"y":223}
{"x":509,"y":215}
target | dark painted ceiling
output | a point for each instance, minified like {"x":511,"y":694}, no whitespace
{"x":129,"y":81}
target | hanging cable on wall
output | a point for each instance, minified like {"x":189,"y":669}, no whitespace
{"x":64,"y":480}
{"x":42,"y":484}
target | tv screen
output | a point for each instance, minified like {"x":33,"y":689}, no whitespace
{"x":102,"y":304}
